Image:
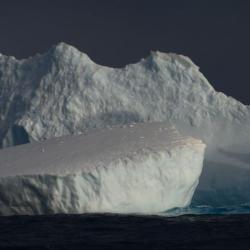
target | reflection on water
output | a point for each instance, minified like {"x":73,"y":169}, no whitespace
{"x":203,"y":209}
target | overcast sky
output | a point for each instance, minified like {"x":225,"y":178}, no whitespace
{"x":214,"y":34}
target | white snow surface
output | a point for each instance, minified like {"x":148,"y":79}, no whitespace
{"x":139,"y":168}
{"x":63,"y":92}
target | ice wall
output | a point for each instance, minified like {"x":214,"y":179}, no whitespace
{"x":142,"y":168}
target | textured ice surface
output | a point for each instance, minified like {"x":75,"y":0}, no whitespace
{"x":63,"y":92}
{"x":144,"y":168}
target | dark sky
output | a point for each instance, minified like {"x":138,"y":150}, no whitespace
{"x":214,"y":34}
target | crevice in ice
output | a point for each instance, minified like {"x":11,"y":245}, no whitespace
{"x":16,"y":135}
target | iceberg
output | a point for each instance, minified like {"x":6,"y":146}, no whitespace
{"x":139,"y":168}
{"x":63,"y":92}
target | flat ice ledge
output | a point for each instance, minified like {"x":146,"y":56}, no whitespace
{"x":140,"y":168}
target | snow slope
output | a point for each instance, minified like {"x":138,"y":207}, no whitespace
{"x":143,"y":168}
{"x":63,"y":92}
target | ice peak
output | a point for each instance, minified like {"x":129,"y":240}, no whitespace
{"x":180,"y":60}
{"x":64,"y":51}
{"x":64,"y":47}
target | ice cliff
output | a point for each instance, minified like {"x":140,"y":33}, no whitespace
{"x":142,"y":168}
{"x":64,"y":92}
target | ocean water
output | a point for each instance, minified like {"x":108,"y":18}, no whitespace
{"x":114,"y":231}
{"x":205,"y":209}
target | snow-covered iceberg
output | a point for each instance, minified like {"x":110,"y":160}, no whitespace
{"x":63,"y":92}
{"x":142,"y":168}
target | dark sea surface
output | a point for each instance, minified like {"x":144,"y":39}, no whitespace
{"x":112,"y":231}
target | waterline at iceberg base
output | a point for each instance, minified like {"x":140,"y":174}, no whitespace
{"x":140,"y":168}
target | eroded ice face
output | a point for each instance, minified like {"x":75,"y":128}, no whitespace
{"x":139,"y":168}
